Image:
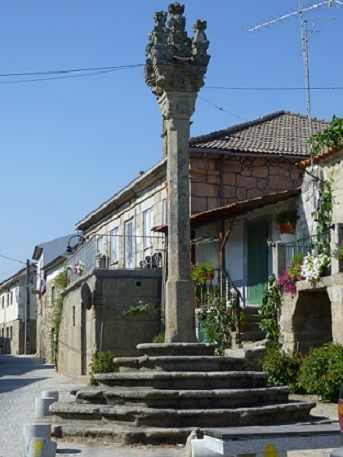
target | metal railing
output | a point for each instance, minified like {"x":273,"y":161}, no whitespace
{"x":115,"y":252}
{"x":304,"y":246}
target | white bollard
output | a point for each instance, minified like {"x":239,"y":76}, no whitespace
{"x":42,"y":406}
{"x":35,"y":431}
{"x":42,"y":447}
{"x":50,"y":394}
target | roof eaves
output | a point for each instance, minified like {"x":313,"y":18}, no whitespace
{"x":236,"y":128}
{"x":120,"y":197}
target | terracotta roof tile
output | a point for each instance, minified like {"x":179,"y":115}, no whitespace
{"x":277,"y":133}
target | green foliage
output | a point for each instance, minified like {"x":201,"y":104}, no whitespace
{"x":330,"y":137}
{"x":202,"y":272}
{"x":101,"y":362}
{"x":294,"y":271}
{"x":269,"y":311}
{"x":159,"y":338}
{"x":287,"y":216}
{"x":322,"y":372}
{"x":283,"y":368}
{"x":139,"y":309}
{"x":60,"y":283}
{"x":216,"y":321}
{"x":323,"y":216}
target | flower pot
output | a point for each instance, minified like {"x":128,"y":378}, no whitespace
{"x":288,"y":227}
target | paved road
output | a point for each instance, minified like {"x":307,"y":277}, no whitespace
{"x":22,"y":378}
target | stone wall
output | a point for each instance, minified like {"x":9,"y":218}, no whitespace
{"x":85,"y":331}
{"x":314,"y":315}
{"x":45,"y":331}
{"x":222,"y":180}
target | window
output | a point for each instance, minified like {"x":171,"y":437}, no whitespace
{"x":11,"y":332}
{"x":129,"y":244}
{"x":53,"y":295}
{"x":3,"y":301}
{"x":8,"y":299}
{"x":100,"y":244}
{"x":147,"y":226}
{"x":164,"y":212}
{"x":2,"y":332}
{"x":11,"y":297}
{"x":7,"y":332}
{"x":114,"y":245}
{"x":74,"y":320}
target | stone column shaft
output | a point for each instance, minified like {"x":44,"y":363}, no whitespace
{"x":177,"y":108}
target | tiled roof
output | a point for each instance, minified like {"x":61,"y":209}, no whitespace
{"x":322,"y":155}
{"x":277,"y":133}
{"x":236,"y":209}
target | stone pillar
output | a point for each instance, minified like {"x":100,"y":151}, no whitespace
{"x":174,"y":70}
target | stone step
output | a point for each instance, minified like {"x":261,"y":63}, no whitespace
{"x":252,"y":318}
{"x":156,"y":417}
{"x":250,"y":327}
{"x":107,"y":434}
{"x":184,"y":380}
{"x":184,"y":399}
{"x":251,"y":311}
{"x":180,"y":349}
{"x":253,"y":336}
{"x":178,"y":363}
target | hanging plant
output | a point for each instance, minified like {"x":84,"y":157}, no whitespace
{"x":202,"y":272}
{"x":287,"y":221}
{"x":330,"y":137}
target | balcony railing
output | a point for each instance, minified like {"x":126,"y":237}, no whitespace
{"x":116,"y":252}
{"x":307,"y":245}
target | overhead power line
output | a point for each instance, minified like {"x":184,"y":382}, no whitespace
{"x":64,"y":74}
{"x":51,"y":75}
{"x":71,"y":70}
{"x":273,"y":88}
{"x":10,"y":258}
{"x":220,"y":108}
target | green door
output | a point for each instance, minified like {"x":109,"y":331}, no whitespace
{"x":257,"y":261}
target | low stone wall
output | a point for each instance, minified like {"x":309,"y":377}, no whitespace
{"x":314,"y":315}
{"x":84,"y":331}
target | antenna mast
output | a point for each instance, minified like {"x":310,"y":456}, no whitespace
{"x":304,"y":42}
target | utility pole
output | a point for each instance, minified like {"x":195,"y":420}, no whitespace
{"x":27,"y":302}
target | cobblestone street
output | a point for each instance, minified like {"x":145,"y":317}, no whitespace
{"x":22,"y":378}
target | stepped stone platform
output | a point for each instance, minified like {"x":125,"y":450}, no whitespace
{"x":171,"y":390}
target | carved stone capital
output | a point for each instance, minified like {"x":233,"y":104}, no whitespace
{"x":177,"y":105}
{"x":174,"y":61}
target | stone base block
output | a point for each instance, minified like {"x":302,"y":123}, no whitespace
{"x":165,"y":349}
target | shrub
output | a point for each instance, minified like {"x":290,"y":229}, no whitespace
{"x":159,"y":338}
{"x":282,"y":367}
{"x":322,"y":372}
{"x":102,"y":362}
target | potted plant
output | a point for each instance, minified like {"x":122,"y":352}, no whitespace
{"x":202,"y":272}
{"x":287,"y":221}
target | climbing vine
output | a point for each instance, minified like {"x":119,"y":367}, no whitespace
{"x":270,"y":310}
{"x":323,"y":216}
{"x":60,"y":283}
{"x":330,"y":137}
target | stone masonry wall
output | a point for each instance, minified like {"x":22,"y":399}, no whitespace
{"x":102,"y":327}
{"x":218,"y":181}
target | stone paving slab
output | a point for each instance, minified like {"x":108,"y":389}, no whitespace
{"x":22,"y":378}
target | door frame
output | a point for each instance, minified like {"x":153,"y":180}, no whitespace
{"x":268,"y":219}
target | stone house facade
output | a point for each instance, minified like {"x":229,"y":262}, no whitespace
{"x":45,"y":309}
{"x":248,"y":161}
{"x":15,"y":320}
{"x":314,"y":315}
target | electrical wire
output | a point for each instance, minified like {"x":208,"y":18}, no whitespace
{"x":220,"y":108}
{"x":71,"y":70}
{"x":10,"y":258}
{"x":79,"y":75}
{"x":272,"y":88}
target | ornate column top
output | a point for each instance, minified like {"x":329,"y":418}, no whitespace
{"x":175,"y":62}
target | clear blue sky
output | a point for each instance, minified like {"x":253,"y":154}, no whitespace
{"x":67,"y":145}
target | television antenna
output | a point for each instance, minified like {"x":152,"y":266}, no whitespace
{"x":304,"y":41}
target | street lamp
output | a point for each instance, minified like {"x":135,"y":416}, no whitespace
{"x":81,"y":239}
